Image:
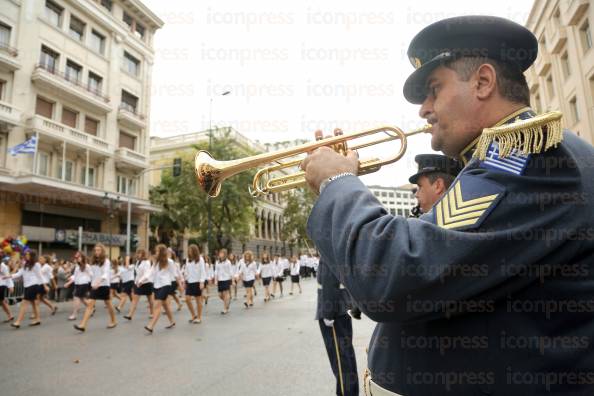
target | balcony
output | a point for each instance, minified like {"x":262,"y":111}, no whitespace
{"x":9,"y":115}
{"x":556,"y":38}
{"x":130,"y":158}
{"x":573,"y":10}
{"x":49,"y":77}
{"x":129,"y":117}
{"x":8,"y":57}
{"x":70,"y":135}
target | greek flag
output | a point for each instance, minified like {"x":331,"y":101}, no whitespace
{"x":27,"y":147}
{"x":514,"y":163}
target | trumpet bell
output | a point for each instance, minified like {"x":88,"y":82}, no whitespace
{"x":208,"y":173}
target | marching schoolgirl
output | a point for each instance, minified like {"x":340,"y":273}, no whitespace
{"x":294,"y":272}
{"x":234,"y":274}
{"x":82,"y":283}
{"x":115,"y":280}
{"x":33,"y":283}
{"x":277,"y":276}
{"x":209,"y":278}
{"x":6,"y":284}
{"x":143,"y":284}
{"x":163,"y":274}
{"x":100,"y":282}
{"x":195,"y":274}
{"x":174,"y":286}
{"x":266,"y":273}
{"x":47,"y":273}
{"x":222,"y":276}
{"x":127,"y":278}
{"x":248,"y":276}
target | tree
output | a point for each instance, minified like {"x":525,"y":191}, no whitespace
{"x":299,"y":205}
{"x":185,"y":204}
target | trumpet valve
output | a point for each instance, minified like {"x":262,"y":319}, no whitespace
{"x":340,"y":147}
{"x":319,"y":135}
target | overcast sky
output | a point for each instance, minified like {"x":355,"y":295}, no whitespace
{"x":294,"y":67}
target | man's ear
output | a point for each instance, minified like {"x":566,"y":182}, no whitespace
{"x":439,"y":186}
{"x":486,"y":81}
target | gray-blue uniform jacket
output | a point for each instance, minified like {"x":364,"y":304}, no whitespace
{"x":333,"y":299}
{"x":491,"y":292}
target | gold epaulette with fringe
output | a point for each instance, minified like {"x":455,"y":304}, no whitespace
{"x":531,"y":136}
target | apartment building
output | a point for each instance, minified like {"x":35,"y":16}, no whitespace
{"x":562,"y":78}
{"x":398,"y":201}
{"x":268,"y":210}
{"x":75,"y":74}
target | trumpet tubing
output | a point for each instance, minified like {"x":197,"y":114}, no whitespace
{"x":210,"y":173}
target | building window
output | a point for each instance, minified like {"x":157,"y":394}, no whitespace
{"x":2,"y":89}
{"x":97,"y":42}
{"x":49,"y":59}
{"x":128,"y":20}
{"x":73,"y":71}
{"x":42,"y":163}
{"x":4,"y":35}
{"x":139,"y":32}
{"x":129,"y":102}
{"x":91,"y":180}
{"x":91,"y":126}
{"x":550,"y":87}
{"x":53,"y":13}
{"x":575,"y":114}
{"x":95,"y":83}
{"x":384,"y":194}
{"x":565,"y":65}
{"x":77,"y":28}
{"x":126,"y":185}
{"x":107,"y":4}
{"x":586,"y":35}
{"x":400,"y":212}
{"x":131,"y":64}
{"x":127,"y":141}
{"x":69,"y":117}
{"x":69,"y":168}
{"x":44,"y":108}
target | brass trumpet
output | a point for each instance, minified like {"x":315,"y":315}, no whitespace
{"x":211,"y":173}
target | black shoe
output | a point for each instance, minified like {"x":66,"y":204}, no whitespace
{"x":117,"y":309}
{"x":246,"y":304}
{"x":54,"y":310}
{"x":148,"y":329}
{"x":112,"y":326}
{"x":171,"y":326}
{"x":34,"y":324}
{"x":81,"y":329}
{"x":16,"y":326}
{"x":355,"y":313}
{"x":127,"y":317}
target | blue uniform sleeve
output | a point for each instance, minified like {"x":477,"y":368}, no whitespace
{"x":408,"y":270}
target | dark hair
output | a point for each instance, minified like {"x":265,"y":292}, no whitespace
{"x":82,"y":264}
{"x":511,"y":82}
{"x":161,"y":253}
{"x":141,"y":254}
{"x":32,"y":259}
{"x":265,"y":258}
{"x":446,"y":177}
{"x":115,"y":263}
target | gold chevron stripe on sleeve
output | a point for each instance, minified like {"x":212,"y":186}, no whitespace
{"x":453,"y":212}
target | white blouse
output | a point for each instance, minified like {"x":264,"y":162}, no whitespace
{"x":266,"y":270}
{"x":31,"y":277}
{"x":164,"y":277}
{"x":100,"y":274}
{"x":4,"y":271}
{"x":195,"y":271}
{"x":248,"y":271}
{"x":82,"y":277}
{"x":223,"y":270}
{"x":47,"y":273}
{"x":126,"y":274}
{"x":143,"y":270}
{"x":295,"y":267}
{"x":115,"y":275}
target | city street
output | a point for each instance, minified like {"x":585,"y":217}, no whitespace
{"x":271,"y":349}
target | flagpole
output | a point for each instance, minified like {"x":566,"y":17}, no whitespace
{"x":34,"y":171}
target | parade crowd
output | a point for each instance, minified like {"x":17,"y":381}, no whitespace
{"x":160,"y":276}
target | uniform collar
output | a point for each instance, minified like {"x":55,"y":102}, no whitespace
{"x":521,"y":114}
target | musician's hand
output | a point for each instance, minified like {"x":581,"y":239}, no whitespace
{"x":324,"y":163}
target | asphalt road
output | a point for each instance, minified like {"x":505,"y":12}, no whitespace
{"x":271,"y":349}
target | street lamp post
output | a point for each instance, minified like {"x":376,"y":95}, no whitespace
{"x":113,"y":206}
{"x":208,"y":202}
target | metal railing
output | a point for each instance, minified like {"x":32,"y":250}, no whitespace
{"x":74,"y":81}
{"x":130,"y":109}
{"x":17,"y":294}
{"x":4,"y":47}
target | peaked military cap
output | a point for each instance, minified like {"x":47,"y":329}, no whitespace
{"x":466,"y":36}
{"x":429,"y":163}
